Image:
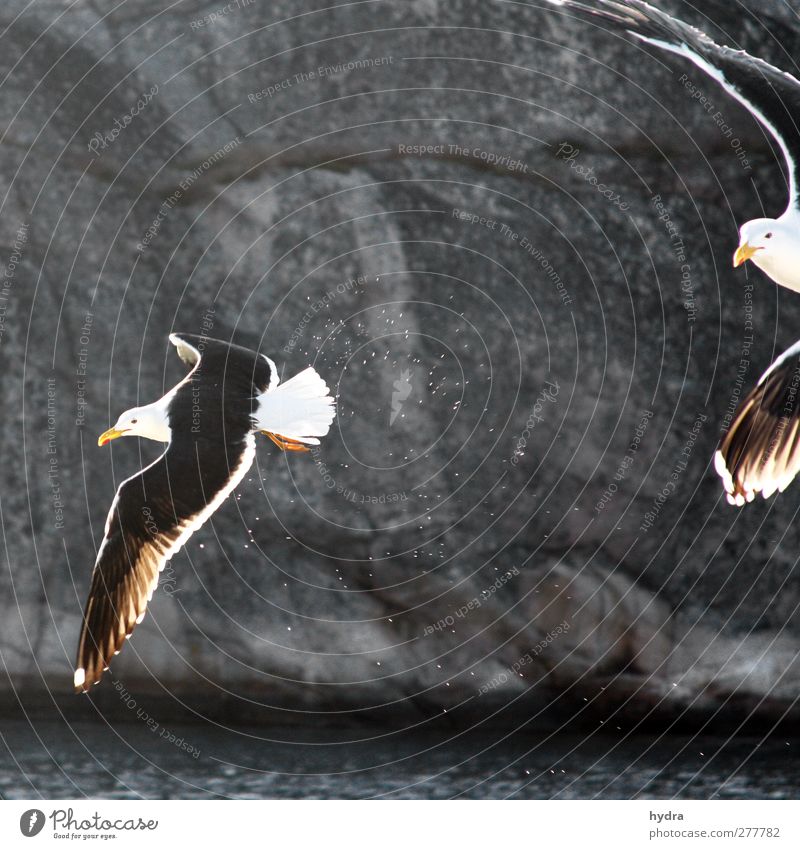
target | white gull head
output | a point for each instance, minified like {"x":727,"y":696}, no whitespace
{"x":151,"y":422}
{"x":773,"y":244}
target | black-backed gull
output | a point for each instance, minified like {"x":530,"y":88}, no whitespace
{"x":209,"y":421}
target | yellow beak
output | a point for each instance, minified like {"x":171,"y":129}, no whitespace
{"x":743,"y":253}
{"x":111,"y":433}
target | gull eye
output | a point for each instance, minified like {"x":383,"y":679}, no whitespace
{"x":768,"y":236}
{"x":134,"y":421}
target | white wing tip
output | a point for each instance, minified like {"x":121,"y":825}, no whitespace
{"x":80,"y":677}
{"x":187,"y":352}
{"x":735,"y":498}
{"x":722,"y":471}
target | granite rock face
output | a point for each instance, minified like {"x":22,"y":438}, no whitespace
{"x":505,"y":239}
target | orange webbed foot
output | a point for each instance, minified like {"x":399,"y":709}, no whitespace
{"x":284,"y":443}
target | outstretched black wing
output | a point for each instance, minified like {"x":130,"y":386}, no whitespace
{"x":157,"y":510}
{"x":772,"y":95}
{"x":761,"y":450}
{"x":152,"y":516}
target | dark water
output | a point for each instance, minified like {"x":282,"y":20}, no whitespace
{"x":56,"y":760}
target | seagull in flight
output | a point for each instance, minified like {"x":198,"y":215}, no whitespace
{"x":760,"y":453}
{"x":771,"y":95}
{"x":209,"y":421}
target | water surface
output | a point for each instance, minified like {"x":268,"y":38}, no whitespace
{"x":131,"y":760}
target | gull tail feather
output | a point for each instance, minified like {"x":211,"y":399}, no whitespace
{"x":300,"y":410}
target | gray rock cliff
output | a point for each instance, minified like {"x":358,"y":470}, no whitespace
{"x":505,"y":238}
